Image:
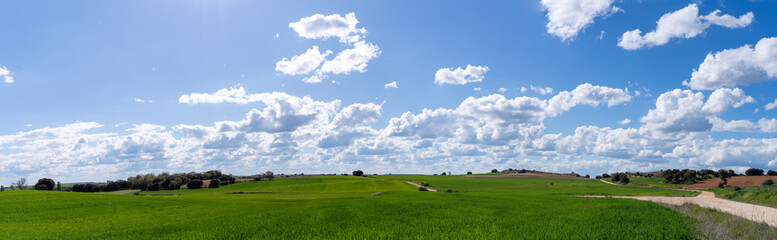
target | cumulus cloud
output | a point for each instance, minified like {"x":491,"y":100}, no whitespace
{"x":739,"y":66}
{"x":320,"y":26}
{"x":391,"y":85}
{"x":683,"y":23}
{"x":6,"y":75}
{"x":303,"y":63}
{"x":771,"y":105}
{"x":540,"y":90}
{"x":460,"y":76}
{"x":624,"y":121}
{"x":139,"y":100}
{"x":587,"y":94}
{"x":355,"y":58}
{"x":566,"y":18}
{"x":686,"y":111}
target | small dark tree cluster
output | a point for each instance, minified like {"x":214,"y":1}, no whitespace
{"x":194,"y":184}
{"x":214,"y":183}
{"x":687,"y":176}
{"x":494,"y":171}
{"x":768,"y":182}
{"x":771,"y":173}
{"x":754,"y":172}
{"x":620,"y":178}
{"x":358,"y":173}
{"x":469,"y":173}
{"x":45,"y":184}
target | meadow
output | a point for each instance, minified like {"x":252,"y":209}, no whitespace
{"x":340,"y":207}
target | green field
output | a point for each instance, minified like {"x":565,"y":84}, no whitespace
{"x":764,"y":195}
{"x":340,"y":207}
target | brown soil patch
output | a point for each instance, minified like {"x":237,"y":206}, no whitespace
{"x":531,"y":175}
{"x":738,"y":181}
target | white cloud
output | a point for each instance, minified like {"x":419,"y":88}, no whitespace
{"x":683,"y":23}
{"x":589,"y":95}
{"x":353,"y":59}
{"x":460,"y":76}
{"x":771,"y":105}
{"x":303,"y":63}
{"x":624,"y":121}
{"x":476,"y":89}
{"x":739,"y":66}
{"x":502,"y":90}
{"x":686,"y":111}
{"x":6,"y":75}
{"x":391,"y":85}
{"x":566,"y":18}
{"x":523,"y":89}
{"x":139,"y":100}
{"x":319,"y":26}
{"x":540,"y":90}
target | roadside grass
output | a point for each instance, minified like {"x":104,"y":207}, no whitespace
{"x":762,"y":195}
{"x":712,"y":224}
{"x":338,"y":207}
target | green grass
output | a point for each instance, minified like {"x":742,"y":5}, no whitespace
{"x":337,"y":207}
{"x":766,"y":196}
{"x":712,"y":224}
{"x":649,"y":182}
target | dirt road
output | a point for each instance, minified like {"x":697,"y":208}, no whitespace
{"x":708,"y":200}
{"x":419,"y":185}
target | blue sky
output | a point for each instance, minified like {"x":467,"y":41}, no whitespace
{"x":97,"y":89}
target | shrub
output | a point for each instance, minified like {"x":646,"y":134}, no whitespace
{"x":469,"y":173}
{"x":616,"y":177}
{"x":45,"y":184}
{"x":605,"y":175}
{"x":443,"y":173}
{"x":232,"y":180}
{"x":771,"y":173}
{"x":721,"y":185}
{"x":587,"y":176}
{"x":598,"y":177}
{"x":194,"y":184}
{"x":358,"y":173}
{"x":737,"y":188}
{"x":625,"y":180}
{"x":2,"y":188}
{"x":214,"y":183}
{"x":754,"y":172}
{"x":494,"y":171}
{"x":423,"y":189}
{"x":768,"y":182}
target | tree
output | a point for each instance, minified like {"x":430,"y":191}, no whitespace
{"x":771,"y":173}
{"x":587,"y":176}
{"x":723,"y":174}
{"x":358,"y":173}
{"x":624,"y":179}
{"x":214,"y":183}
{"x":269,"y":175}
{"x":616,"y":177}
{"x":754,"y":172}
{"x":494,"y":171}
{"x":45,"y":184}
{"x":2,"y":188}
{"x":20,"y":184}
{"x":194,"y":184}
{"x":469,"y":173}
{"x":605,"y":175}
{"x":443,"y":173}
{"x":59,"y":186}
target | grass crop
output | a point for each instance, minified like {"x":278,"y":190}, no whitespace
{"x":649,"y":182}
{"x":339,"y":207}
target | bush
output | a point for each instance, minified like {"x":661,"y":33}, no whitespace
{"x":587,"y":176}
{"x":737,"y":188}
{"x":45,"y":184}
{"x":768,"y":182}
{"x":423,"y":189}
{"x":194,"y":184}
{"x":214,"y":183}
{"x":754,"y":172}
{"x":358,"y":173}
{"x":771,"y":173}
{"x":469,"y":173}
{"x":494,"y":171}
{"x":625,"y":180}
{"x":443,"y":173}
{"x":616,"y":177}
{"x":605,"y":175}
{"x":598,"y":177}
{"x":721,"y":185}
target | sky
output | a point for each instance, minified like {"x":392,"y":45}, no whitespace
{"x":95,"y":91}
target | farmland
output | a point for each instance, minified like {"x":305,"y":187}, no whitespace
{"x":340,"y":207}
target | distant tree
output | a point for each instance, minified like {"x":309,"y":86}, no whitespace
{"x":604,"y":175}
{"x":754,"y":172}
{"x":624,"y":179}
{"x":587,"y":176}
{"x":443,"y":173}
{"x":232,"y":180}
{"x":214,"y":183}
{"x":598,"y":177}
{"x":768,"y":182}
{"x":724,"y":175}
{"x":269,"y":175}
{"x":494,"y":171}
{"x":2,"y":188}
{"x":721,"y":185}
{"x":358,"y":173}
{"x":616,"y":177}
{"x":469,"y":173}
{"x":155,"y":186}
{"x":194,"y":184}
{"x":59,"y":186}
{"x":771,"y":173}
{"x":20,"y":184}
{"x":45,"y":184}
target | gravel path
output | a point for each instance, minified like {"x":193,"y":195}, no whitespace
{"x":419,"y":185}
{"x":752,"y":212}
